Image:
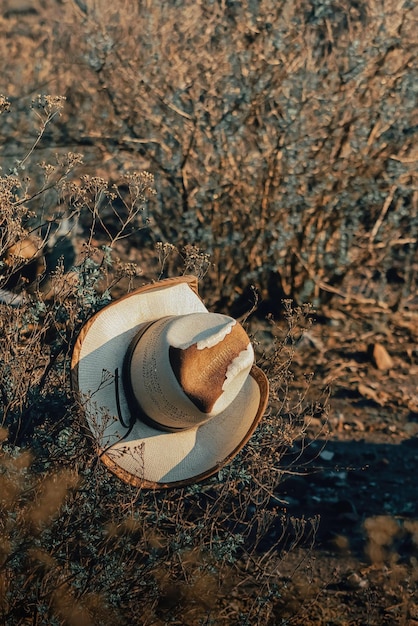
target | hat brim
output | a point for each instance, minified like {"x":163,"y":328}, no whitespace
{"x":137,"y":453}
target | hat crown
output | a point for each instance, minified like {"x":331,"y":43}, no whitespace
{"x":204,"y":368}
{"x":186,"y":369}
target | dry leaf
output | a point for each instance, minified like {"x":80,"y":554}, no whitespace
{"x":380,"y":357}
{"x":380,"y":397}
{"x":413,"y":404}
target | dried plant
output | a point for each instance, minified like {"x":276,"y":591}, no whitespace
{"x":281,"y":135}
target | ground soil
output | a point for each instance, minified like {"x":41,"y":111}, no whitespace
{"x":356,"y":469}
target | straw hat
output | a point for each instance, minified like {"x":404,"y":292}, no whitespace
{"x":170,"y":391}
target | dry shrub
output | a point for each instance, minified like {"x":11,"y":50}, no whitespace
{"x":281,"y":134}
{"x":381,"y":532}
{"x":411,"y":527}
{"x":73,"y":613}
{"x":49,"y":498}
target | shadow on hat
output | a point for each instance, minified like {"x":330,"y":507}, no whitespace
{"x":169,"y":390}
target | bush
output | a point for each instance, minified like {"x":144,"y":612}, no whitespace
{"x":281,"y":135}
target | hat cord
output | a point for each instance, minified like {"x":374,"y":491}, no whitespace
{"x":118,"y":407}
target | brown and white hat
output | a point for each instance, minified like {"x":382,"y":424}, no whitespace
{"x":170,"y":391}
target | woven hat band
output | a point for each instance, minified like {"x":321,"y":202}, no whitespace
{"x":184,"y":370}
